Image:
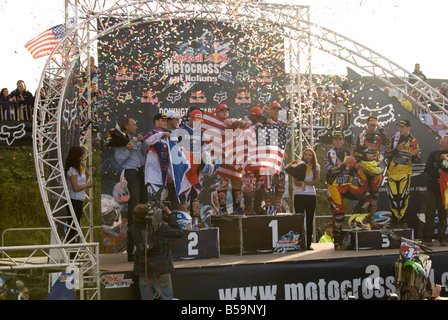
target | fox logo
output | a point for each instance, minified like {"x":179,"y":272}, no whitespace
{"x":70,"y":113}
{"x":147,"y":75}
{"x":264,"y":97}
{"x":125,"y":96}
{"x":10,"y":134}
{"x":173,"y":96}
{"x":220,"y":96}
{"x":384,"y":115}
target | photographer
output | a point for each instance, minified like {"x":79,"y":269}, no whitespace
{"x":151,"y":232}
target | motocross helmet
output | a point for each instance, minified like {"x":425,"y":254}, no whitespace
{"x":183,"y":219}
{"x":372,"y":167}
{"x":110,"y":215}
{"x":356,"y":222}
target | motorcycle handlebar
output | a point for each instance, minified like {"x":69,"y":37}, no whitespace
{"x":392,"y":235}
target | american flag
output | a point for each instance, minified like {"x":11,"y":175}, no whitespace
{"x":43,"y":44}
{"x":271,"y":145}
{"x":260,"y":149}
{"x":221,"y":146}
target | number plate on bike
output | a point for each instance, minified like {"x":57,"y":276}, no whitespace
{"x":409,"y":252}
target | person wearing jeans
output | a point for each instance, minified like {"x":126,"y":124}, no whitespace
{"x":153,"y":263}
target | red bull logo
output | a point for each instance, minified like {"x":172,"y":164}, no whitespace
{"x":264,"y":76}
{"x":198,"y":97}
{"x":149,"y":97}
{"x":217,"y":58}
{"x":124,"y":74}
{"x":243,"y":97}
{"x":188,"y":57}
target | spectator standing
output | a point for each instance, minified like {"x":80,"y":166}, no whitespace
{"x":444,"y":89}
{"x":418,"y":73}
{"x":9,"y":106}
{"x":341,"y":115}
{"x":406,"y":103}
{"x":25,"y":99}
{"x":77,"y":184}
{"x":444,"y":92}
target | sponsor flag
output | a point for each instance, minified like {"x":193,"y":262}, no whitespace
{"x":44,"y":43}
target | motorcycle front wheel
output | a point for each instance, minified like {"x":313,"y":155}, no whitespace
{"x":409,"y":293}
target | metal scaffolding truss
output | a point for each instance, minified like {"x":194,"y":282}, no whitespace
{"x":88,"y":20}
{"x":374,"y":64}
{"x":84,"y":272}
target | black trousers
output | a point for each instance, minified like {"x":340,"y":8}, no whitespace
{"x":306,"y":204}
{"x":137,"y":194}
{"x":77,"y":207}
{"x":433,"y":203}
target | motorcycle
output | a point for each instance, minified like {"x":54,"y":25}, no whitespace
{"x":412,"y":269}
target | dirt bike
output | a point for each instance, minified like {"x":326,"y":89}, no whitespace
{"x":412,"y":269}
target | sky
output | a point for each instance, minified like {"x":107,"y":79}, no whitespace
{"x":404,"y":31}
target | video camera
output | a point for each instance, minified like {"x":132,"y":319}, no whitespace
{"x":155,"y":216}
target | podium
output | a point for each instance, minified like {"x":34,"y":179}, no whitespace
{"x":196,"y":244}
{"x":374,"y":239}
{"x":260,"y":234}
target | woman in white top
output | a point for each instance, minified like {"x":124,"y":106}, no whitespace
{"x":305,"y":192}
{"x":77,"y":183}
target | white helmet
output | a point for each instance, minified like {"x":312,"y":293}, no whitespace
{"x":183,"y":219}
{"x":110,"y":215}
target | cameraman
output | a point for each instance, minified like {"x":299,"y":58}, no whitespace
{"x":151,"y":232}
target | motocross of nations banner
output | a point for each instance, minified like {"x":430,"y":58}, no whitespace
{"x":175,"y":65}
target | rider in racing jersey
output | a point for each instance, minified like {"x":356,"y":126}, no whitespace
{"x":402,"y":151}
{"x":340,"y":168}
{"x":367,"y":150}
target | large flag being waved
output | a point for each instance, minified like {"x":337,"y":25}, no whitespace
{"x":43,"y":44}
{"x":184,"y":174}
{"x":215,"y":136}
{"x":239,"y":150}
{"x":271,"y":144}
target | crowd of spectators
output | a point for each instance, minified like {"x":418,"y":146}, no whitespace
{"x":328,"y":106}
{"x":18,"y":104}
{"x":410,"y":99}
